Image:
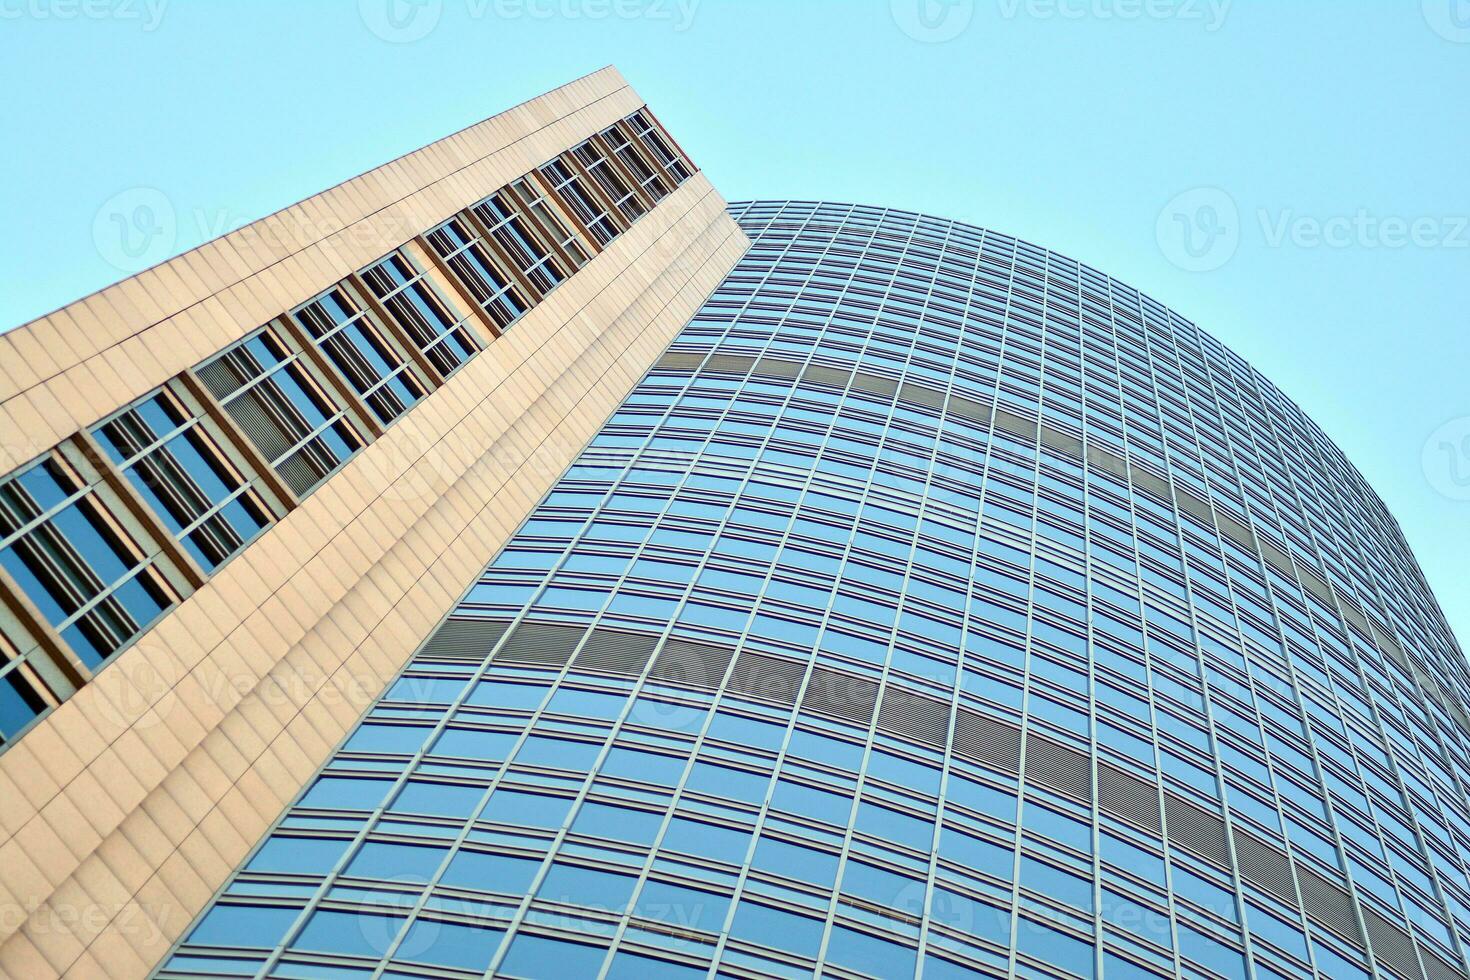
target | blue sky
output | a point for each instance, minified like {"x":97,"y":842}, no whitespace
{"x":1290,"y":175}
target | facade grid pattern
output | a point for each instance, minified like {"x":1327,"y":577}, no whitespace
{"x":936,"y":606}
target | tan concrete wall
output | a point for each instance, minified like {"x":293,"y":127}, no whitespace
{"x":124,"y":810}
{"x":72,"y":367}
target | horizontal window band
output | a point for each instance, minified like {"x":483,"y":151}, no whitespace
{"x":1094,"y":455}
{"x":927,"y":721}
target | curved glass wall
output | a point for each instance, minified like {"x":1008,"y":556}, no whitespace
{"x":937,"y":606}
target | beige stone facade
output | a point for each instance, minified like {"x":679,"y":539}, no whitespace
{"x":126,"y":806}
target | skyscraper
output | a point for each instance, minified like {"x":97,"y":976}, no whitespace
{"x":935,"y":603}
{"x":239,"y":488}
{"x":512,"y":563}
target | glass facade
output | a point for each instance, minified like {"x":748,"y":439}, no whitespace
{"x":936,"y":606}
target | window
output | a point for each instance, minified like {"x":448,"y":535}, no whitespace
{"x":631,"y":966}
{"x":21,"y":701}
{"x":682,"y":907}
{"x":526,"y":809}
{"x":591,"y":156}
{"x":167,"y":453}
{"x":395,"y":862}
{"x":537,"y":957}
{"x":1055,"y":947}
{"x":757,"y":923}
{"x":463,"y":947}
{"x":588,"y":887}
{"x":345,"y":793}
{"x":653,"y":140}
{"x":583,"y":203}
{"x":652,"y":182}
{"x":438,"y":799}
{"x":84,"y":574}
{"x":604,"y":821}
{"x":298,"y":855}
{"x":491,"y":872}
{"x":348,"y":933}
{"x":869,"y":953}
{"x":342,"y":330}
{"x":465,"y":255}
{"x":498,"y":213}
{"x":261,"y":383}
{"x":544,"y":212}
{"x":420,"y":313}
{"x":261,"y":926}
{"x":93,"y":537}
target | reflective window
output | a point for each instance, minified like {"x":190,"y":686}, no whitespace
{"x":420,"y":313}
{"x":87,"y":577}
{"x":177,"y":466}
{"x":595,"y":161}
{"x":301,"y":432}
{"x":347,"y":336}
{"x":499,"y":215}
{"x":466,"y":256}
{"x":568,"y":185}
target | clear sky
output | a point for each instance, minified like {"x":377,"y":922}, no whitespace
{"x":1290,"y":174}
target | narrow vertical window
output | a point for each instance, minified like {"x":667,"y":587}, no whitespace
{"x":304,"y":435}
{"x":178,"y":469}
{"x":358,"y":349}
{"x":651,"y":181}
{"x":498,"y":214}
{"x":648,"y":134}
{"x":22,"y":700}
{"x":544,"y":212}
{"x":466,"y":256}
{"x":582,"y":202}
{"x":591,"y":157}
{"x":420,"y":313}
{"x":75,"y":563}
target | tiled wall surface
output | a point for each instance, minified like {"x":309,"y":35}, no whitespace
{"x":125,"y":808}
{"x":69,"y":368}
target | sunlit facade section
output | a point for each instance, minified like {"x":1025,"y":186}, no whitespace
{"x":936,"y":606}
